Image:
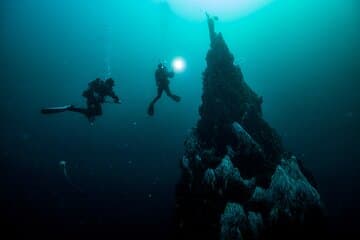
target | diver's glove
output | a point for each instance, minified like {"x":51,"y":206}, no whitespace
{"x":117,"y":100}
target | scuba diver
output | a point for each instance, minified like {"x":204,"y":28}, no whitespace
{"x":162,"y":76}
{"x":95,"y":96}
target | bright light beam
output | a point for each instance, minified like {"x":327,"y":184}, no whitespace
{"x":224,"y":9}
{"x":178,"y":64}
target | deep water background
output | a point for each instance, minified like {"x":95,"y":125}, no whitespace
{"x":303,"y":57}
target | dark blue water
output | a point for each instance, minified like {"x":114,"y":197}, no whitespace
{"x":302,"y":57}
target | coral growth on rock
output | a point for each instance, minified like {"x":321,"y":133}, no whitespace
{"x":237,"y":181}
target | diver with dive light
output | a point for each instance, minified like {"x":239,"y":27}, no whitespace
{"x":162,"y":76}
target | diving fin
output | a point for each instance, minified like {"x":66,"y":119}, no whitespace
{"x":56,"y":109}
{"x":176,"y":98}
{"x":151,"y":110}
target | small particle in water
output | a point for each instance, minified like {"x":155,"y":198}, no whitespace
{"x":150,"y":196}
{"x":134,"y":123}
{"x":129,"y":162}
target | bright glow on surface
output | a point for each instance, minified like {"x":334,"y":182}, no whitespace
{"x":178,"y":64}
{"x":224,"y":9}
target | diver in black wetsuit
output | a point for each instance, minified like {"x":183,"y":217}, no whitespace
{"x":95,"y":96}
{"x":162,"y":76}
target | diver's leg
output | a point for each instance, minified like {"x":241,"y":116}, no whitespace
{"x":93,"y":110}
{"x":79,"y":110}
{"x":158,"y":96}
{"x":97,"y":109}
{"x":151,"y":106}
{"x":172,"y":96}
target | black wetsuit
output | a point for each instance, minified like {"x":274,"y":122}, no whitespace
{"x":95,"y":97}
{"x":162,"y":81}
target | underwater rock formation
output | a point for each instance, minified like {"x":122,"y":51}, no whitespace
{"x":237,"y":180}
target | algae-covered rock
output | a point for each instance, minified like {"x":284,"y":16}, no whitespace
{"x":237,"y":181}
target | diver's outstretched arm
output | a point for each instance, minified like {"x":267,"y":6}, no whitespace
{"x":170,"y":74}
{"x":114,"y":97}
